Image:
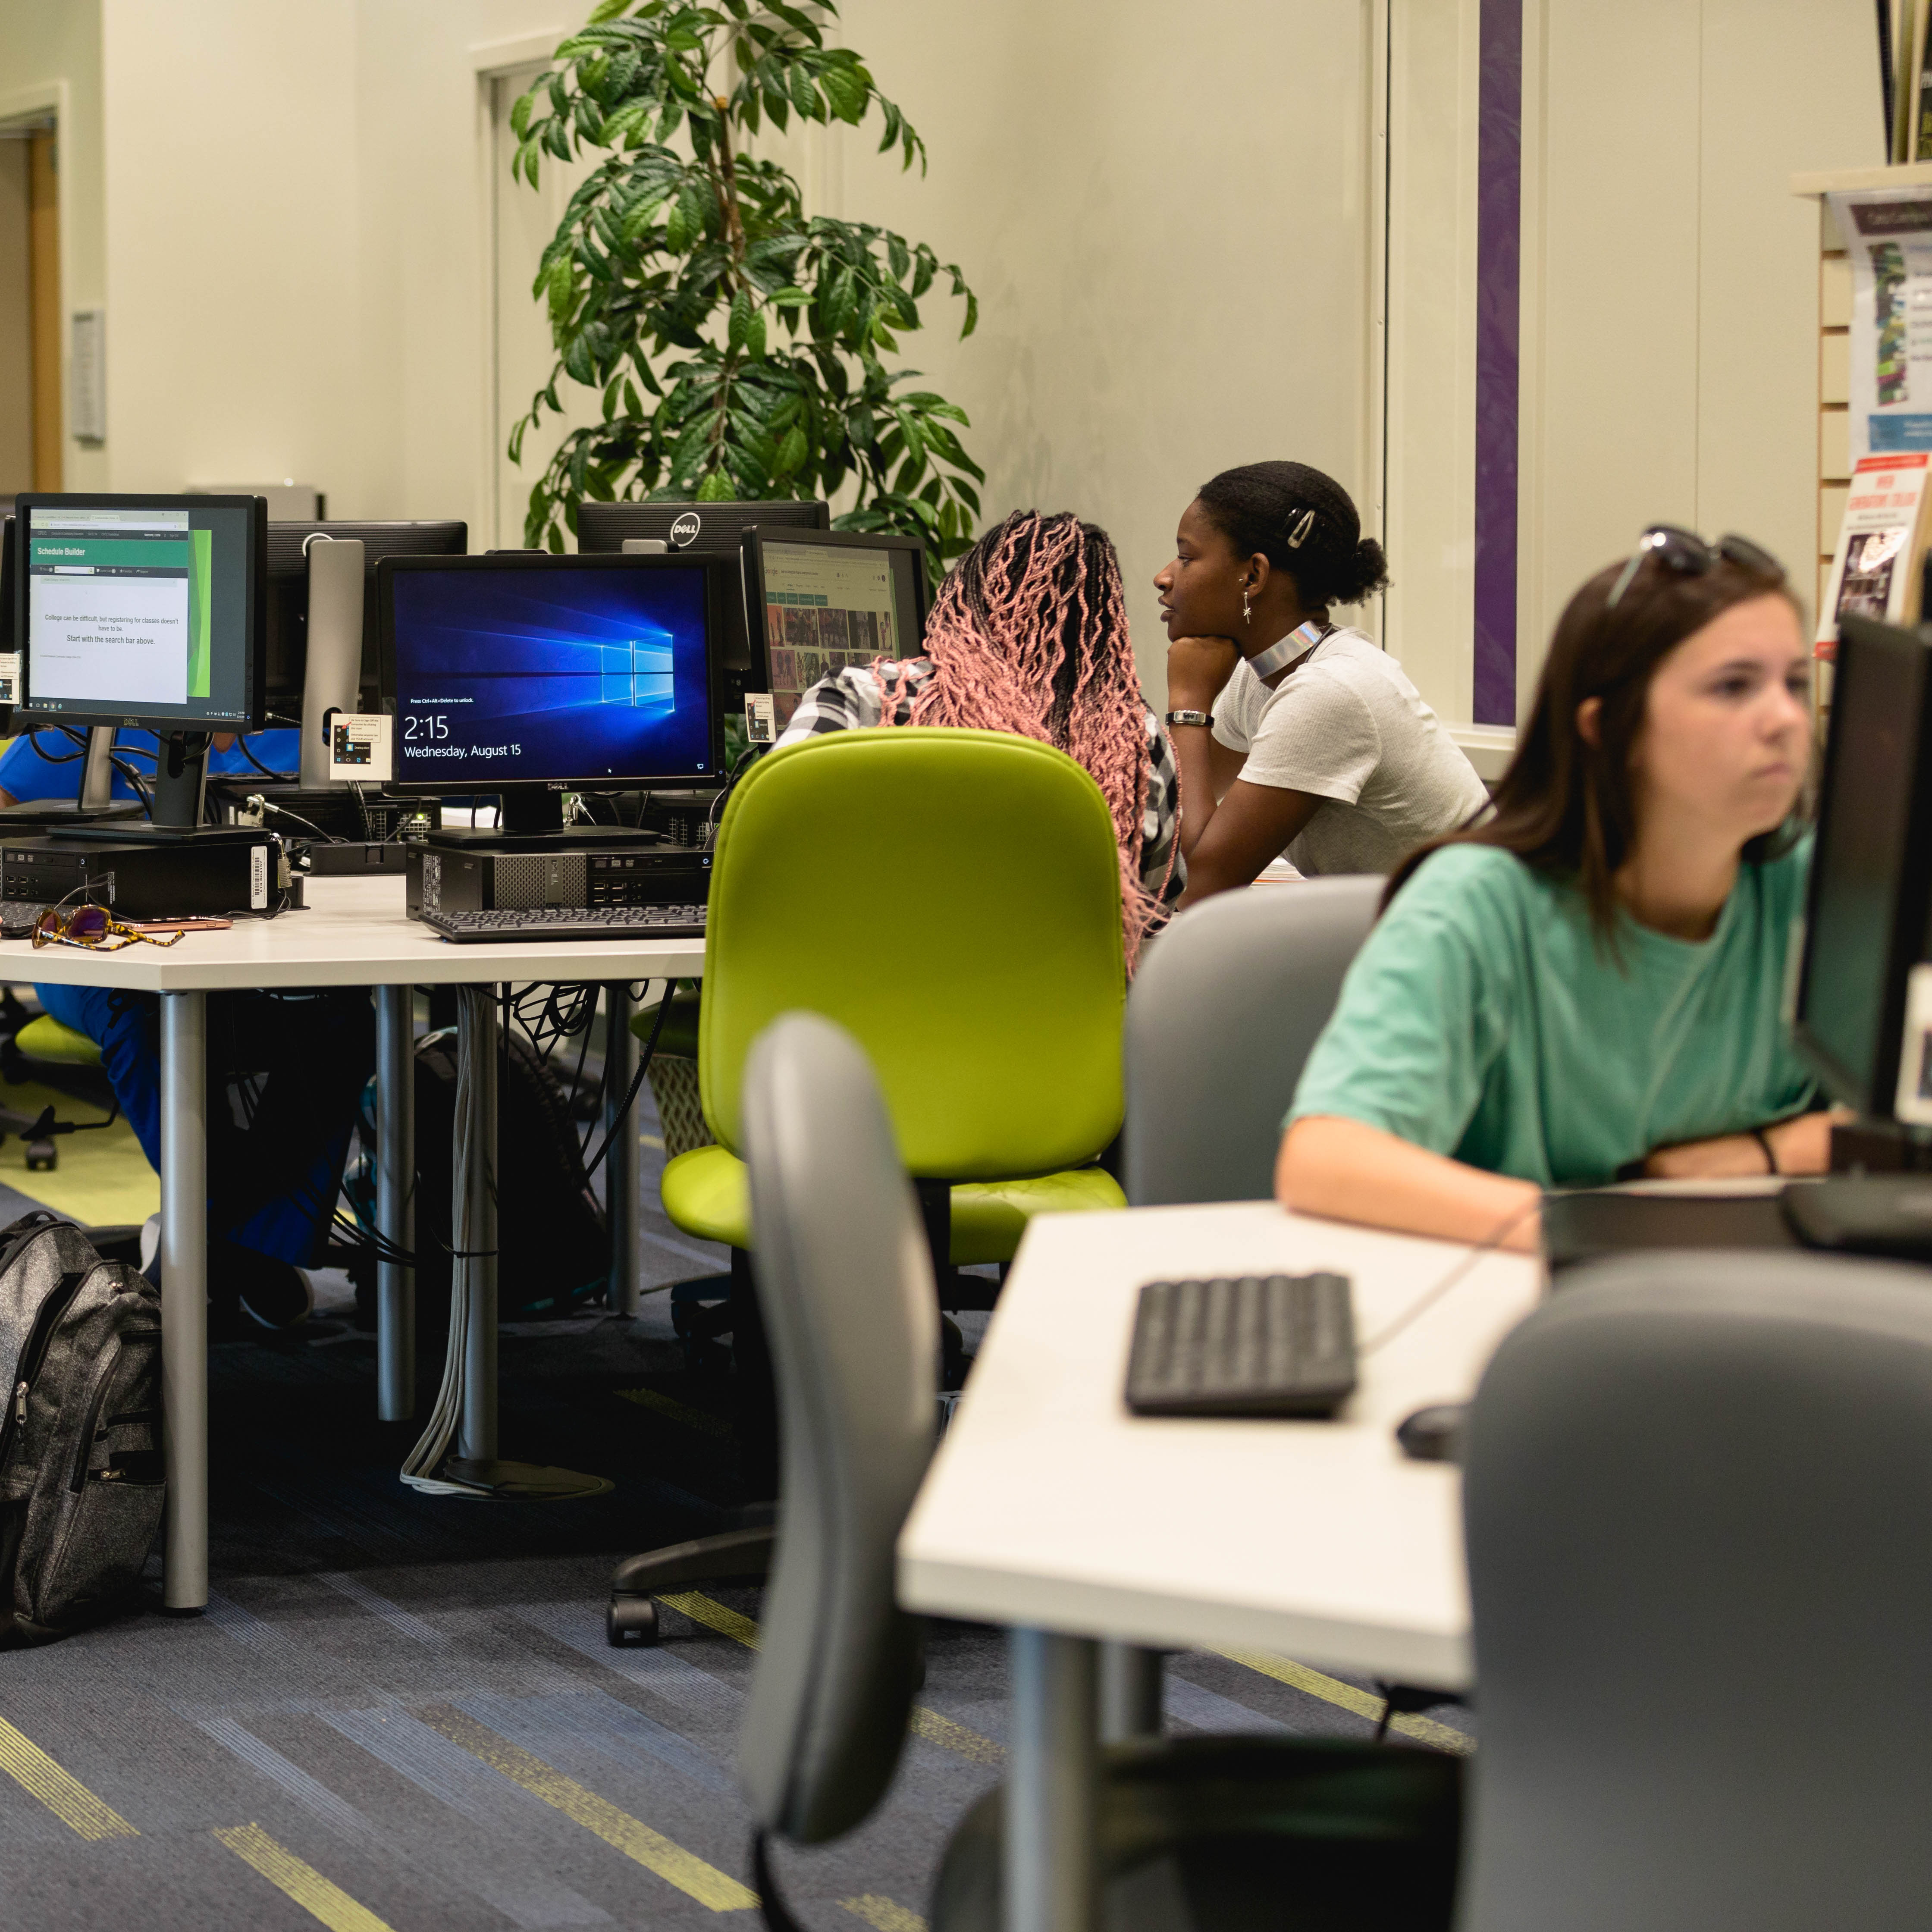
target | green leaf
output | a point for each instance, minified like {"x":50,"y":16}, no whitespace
{"x":754,"y":339}
{"x":519,"y":114}
{"x":716,"y":488}
{"x":740,"y":322}
{"x":791,"y":452}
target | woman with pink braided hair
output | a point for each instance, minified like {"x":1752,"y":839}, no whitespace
{"x":1028,"y":634}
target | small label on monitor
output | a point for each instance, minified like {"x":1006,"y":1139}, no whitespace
{"x":10,"y":677}
{"x":258,"y":878}
{"x":761,"y":718}
{"x":359,"y":747}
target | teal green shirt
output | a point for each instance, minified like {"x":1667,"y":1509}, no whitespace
{"x":1484,"y":1019}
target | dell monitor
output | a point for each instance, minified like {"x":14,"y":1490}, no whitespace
{"x":146,"y":611}
{"x":682,"y":526}
{"x":288,"y":588}
{"x":528,"y":675}
{"x":1871,"y":892}
{"x":826,"y":599}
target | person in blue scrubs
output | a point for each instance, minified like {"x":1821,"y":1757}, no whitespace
{"x":47,"y":763}
{"x":274,"y":1174}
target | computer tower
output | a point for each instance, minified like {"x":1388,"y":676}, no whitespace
{"x":454,"y":874}
{"x":195,"y":877}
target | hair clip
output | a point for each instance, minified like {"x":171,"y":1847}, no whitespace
{"x":1297,"y":533}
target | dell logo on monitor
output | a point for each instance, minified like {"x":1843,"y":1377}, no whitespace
{"x":685,"y":530}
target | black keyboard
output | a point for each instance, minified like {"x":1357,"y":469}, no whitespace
{"x":1258,"y":1344}
{"x":652,"y":921}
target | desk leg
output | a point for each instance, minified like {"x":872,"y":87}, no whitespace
{"x":395,"y":1207}
{"x":184,"y":1296}
{"x":1052,"y":1793}
{"x":620,"y":1163}
{"x":1130,"y":1692}
{"x":474,"y":1216}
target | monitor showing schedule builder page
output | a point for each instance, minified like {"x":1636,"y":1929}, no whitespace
{"x":137,"y":610}
{"x":827,"y":607}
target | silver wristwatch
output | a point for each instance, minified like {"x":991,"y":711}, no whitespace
{"x":1190,"y":718}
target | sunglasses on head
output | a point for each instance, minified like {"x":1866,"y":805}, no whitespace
{"x":91,"y":925}
{"x":1685,"y":554}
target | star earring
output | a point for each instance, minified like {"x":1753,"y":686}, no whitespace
{"x":1247,"y":609}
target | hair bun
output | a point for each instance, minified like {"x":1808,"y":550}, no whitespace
{"x":1359,"y":574}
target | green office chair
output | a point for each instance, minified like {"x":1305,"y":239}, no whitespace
{"x":952,"y":898}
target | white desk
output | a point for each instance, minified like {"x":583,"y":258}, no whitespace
{"x":1050,"y":1509}
{"x":354,"y":933}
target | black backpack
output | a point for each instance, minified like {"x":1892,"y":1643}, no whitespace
{"x":81,"y":1488}
{"x":553,"y":1249}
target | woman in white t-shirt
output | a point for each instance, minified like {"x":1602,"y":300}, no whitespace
{"x":1293,"y":736}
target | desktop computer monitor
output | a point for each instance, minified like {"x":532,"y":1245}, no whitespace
{"x":288,"y":593}
{"x":527,"y":675}
{"x":825,"y":599}
{"x":141,"y":610}
{"x":1869,"y":897}
{"x":684,"y":526}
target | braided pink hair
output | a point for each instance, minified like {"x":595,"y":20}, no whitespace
{"x":1029,"y":634}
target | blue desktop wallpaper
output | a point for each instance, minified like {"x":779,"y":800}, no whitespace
{"x":559,"y":674}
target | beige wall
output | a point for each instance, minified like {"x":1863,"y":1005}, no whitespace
{"x":1169,"y":230}
{"x":297,"y":256}
{"x":1156,"y":306}
{"x":234,"y":348}
{"x":1670,"y":309}
{"x":50,"y":53}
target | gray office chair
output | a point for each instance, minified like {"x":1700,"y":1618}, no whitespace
{"x":1697,"y":1492}
{"x":1221,"y":1018}
{"x":1222,"y":1015}
{"x":1197,"y":1831}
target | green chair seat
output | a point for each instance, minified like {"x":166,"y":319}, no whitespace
{"x":705,"y":1194}
{"x":46,"y":1039}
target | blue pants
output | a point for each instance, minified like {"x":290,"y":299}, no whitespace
{"x":272,"y":1183}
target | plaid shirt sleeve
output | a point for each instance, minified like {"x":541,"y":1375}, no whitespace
{"x":1160,"y":823}
{"x":850,"y":700}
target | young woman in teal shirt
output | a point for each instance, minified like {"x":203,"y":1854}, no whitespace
{"x":1589,"y":983}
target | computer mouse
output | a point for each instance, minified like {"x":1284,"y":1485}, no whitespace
{"x":1434,"y":1434}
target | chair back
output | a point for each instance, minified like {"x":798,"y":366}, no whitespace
{"x":845,"y":1286}
{"x":1697,"y":1492}
{"x":1224,"y":1012}
{"x":952,"y":898}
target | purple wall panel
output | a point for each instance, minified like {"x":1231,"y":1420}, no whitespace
{"x":1499,"y":283}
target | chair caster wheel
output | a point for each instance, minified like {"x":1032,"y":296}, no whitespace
{"x":43,"y":1157}
{"x":630,"y":1620}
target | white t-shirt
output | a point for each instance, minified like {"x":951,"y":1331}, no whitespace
{"x":1347,"y":727}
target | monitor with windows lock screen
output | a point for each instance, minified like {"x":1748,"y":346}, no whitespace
{"x":525,"y":675}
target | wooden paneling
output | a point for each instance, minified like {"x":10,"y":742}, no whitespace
{"x":43,"y":253}
{"x":16,"y":353}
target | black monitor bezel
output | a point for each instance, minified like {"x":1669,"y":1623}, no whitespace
{"x":730,"y":510}
{"x":752,"y":546}
{"x":719,"y":570}
{"x":1872,"y":1089}
{"x":256,"y":614}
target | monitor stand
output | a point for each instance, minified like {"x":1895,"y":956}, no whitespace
{"x":531,"y":821}
{"x":180,"y":767}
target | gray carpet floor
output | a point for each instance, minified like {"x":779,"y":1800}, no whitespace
{"x":400,"y":1711}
